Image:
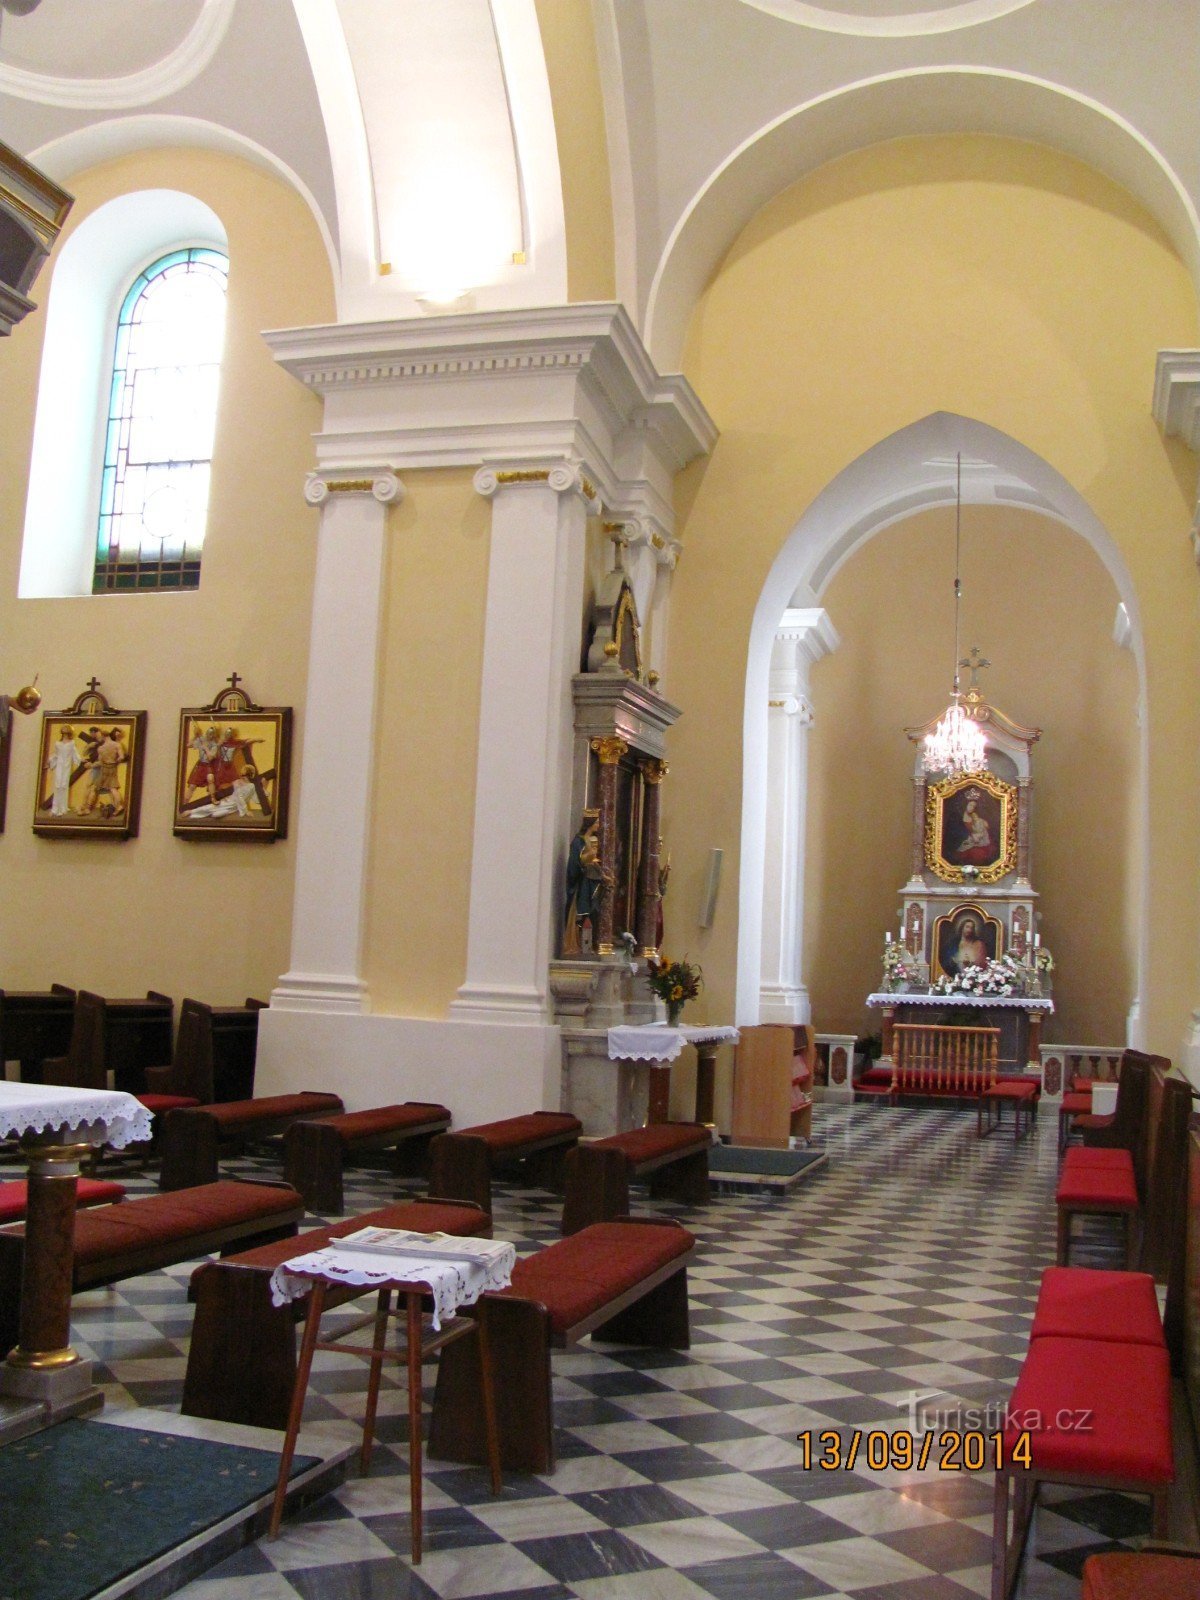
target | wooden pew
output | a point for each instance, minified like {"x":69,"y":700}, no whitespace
{"x":35,"y":1025}
{"x":123,"y":1241}
{"x":215,"y":1052}
{"x":121,"y":1038}
{"x":624,"y":1282}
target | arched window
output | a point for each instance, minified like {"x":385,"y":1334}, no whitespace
{"x":162,"y":413}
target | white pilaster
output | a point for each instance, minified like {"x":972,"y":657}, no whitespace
{"x":803,"y":637}
{"x":522,"y":788}
{"x":339,"y":727}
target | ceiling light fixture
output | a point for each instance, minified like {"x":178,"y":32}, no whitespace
{"x":957,"y":745}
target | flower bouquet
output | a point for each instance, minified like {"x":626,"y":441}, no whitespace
{"x":674,"y":982}
{"x":899,"y":968}
{"x":998,"y":977}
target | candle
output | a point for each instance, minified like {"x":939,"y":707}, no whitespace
{"x":1037,"y":939}
{"x":887,"y":938}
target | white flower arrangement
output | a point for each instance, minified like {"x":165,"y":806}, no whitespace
{"x":898,"y":966}
{"x":1002,"y":977}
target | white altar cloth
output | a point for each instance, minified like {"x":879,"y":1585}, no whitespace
{"x":656,"y":1041}
{"x":92,"y":1116}
{"x":456,"y":1270}
{"x":985,"y":1002}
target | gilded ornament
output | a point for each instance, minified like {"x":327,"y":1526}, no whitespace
{"x":609,"y":749}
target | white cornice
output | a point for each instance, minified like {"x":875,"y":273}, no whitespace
{"x":174,"y":72}
{"x":463,"y":389}
{"x":1176,"y":403}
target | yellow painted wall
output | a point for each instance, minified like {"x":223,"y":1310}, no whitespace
{"x":1040,"y":605}
{"x":428,"y":735}
{"x":994,"y":279}
{"x":569,"y":43}
{"x":203,"y":919}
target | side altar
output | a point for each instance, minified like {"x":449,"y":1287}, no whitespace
{"x":613,"y":882}
{"x":970,"y":953}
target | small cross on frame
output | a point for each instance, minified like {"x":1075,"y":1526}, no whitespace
{"x":233,"y":680}
{"x":975,"y":664}
{"x":93,"y":683}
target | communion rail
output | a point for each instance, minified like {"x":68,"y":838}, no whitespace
{"x":939,"y":1059}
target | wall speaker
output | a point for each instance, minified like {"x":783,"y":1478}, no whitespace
{"x":712,"y":882}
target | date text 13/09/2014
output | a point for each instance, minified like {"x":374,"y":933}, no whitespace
{"x":903,"y":1451}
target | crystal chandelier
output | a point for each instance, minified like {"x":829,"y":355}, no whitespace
{"x":956,"y":745}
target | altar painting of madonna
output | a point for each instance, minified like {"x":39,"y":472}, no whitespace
{"x":971,"y":828}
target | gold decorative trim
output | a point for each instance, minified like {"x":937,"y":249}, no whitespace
{"x":351,"y":486}
{"x":654,"y":771}
{"x":936,"y":795}
{"x":610,"y":749}
{"x":523,"y":475}
{"x":588,"y":487}
{"x":936,"y":968}
{"x":43,"y":1360}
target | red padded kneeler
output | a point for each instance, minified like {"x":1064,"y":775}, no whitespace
{"x":159,"y":1104}
{"x":515,"y":1131}
{"x":1082,"y":1303}
{"x":1113,"y":1157}
{"x":1138,"y":1575}
{"x":572,"y":1276}
{"x":1095,"y":1410}
{"x":1096,"y":1189}
{"x":88,"y":1192}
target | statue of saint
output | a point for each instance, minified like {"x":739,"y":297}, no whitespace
{"x":584,"y":886}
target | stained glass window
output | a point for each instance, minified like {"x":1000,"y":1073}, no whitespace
{"x":161,"y":419}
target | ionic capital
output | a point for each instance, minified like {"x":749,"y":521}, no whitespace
{"x":564,"y":477}
{"x":380,"y":483}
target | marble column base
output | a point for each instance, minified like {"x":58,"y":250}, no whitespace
{"x":31,"y":1399}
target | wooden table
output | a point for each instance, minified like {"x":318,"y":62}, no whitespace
{"x":412,"y":1279}
{"x":58,"y":1127}
{"x":660,"y":1045}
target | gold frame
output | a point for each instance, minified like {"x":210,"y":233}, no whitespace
{"x":936,"y":796}
{"x":936,"y":969}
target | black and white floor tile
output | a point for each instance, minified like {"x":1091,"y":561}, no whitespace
{"x":907,"y":1266}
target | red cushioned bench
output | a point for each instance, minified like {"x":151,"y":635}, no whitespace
{"x":1088,"y":1303}
{"x":624,"y":1282}
{"x":1097,"y":1183}
{"x":159,"y":1230}
{"x":314,"y":1153}
{"x":242,"y":1357}
{"x":673,"y":1156}
{"x":1141,"y":1575}
{"x":1092,"y":1412}
{"x":1075,"y":1104}
{"x":462,"y":1163}
{"x":193,"y":1137}
{"x":1022,"y":1094}
{"x":88,"y":1192}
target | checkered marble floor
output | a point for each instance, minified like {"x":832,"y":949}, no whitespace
{"x":907,"y":1266}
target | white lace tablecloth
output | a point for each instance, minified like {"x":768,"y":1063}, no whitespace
{"x":989,"y":1001}
{"x":659,"y":1042}
{"x":452,"y":1282}
{"x":92,"y":1116}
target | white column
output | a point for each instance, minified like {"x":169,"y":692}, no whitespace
{"x":803,"y":637}
{"x":336,"y":774}
{"x":526,"y":717}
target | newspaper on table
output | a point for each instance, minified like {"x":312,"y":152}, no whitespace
{"x":456,"y":1270}
{"x":425,"y":1246}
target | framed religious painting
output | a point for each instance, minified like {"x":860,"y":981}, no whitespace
{"x":89,"y":778}
{"x":971,"y":828}
{"x":231,"y":775}
{"x":965,"y":937}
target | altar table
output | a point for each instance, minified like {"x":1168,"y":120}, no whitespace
{"x":58,"y":1126}
{"x":660,"y":1044}
{"x":1019,"y":1018}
